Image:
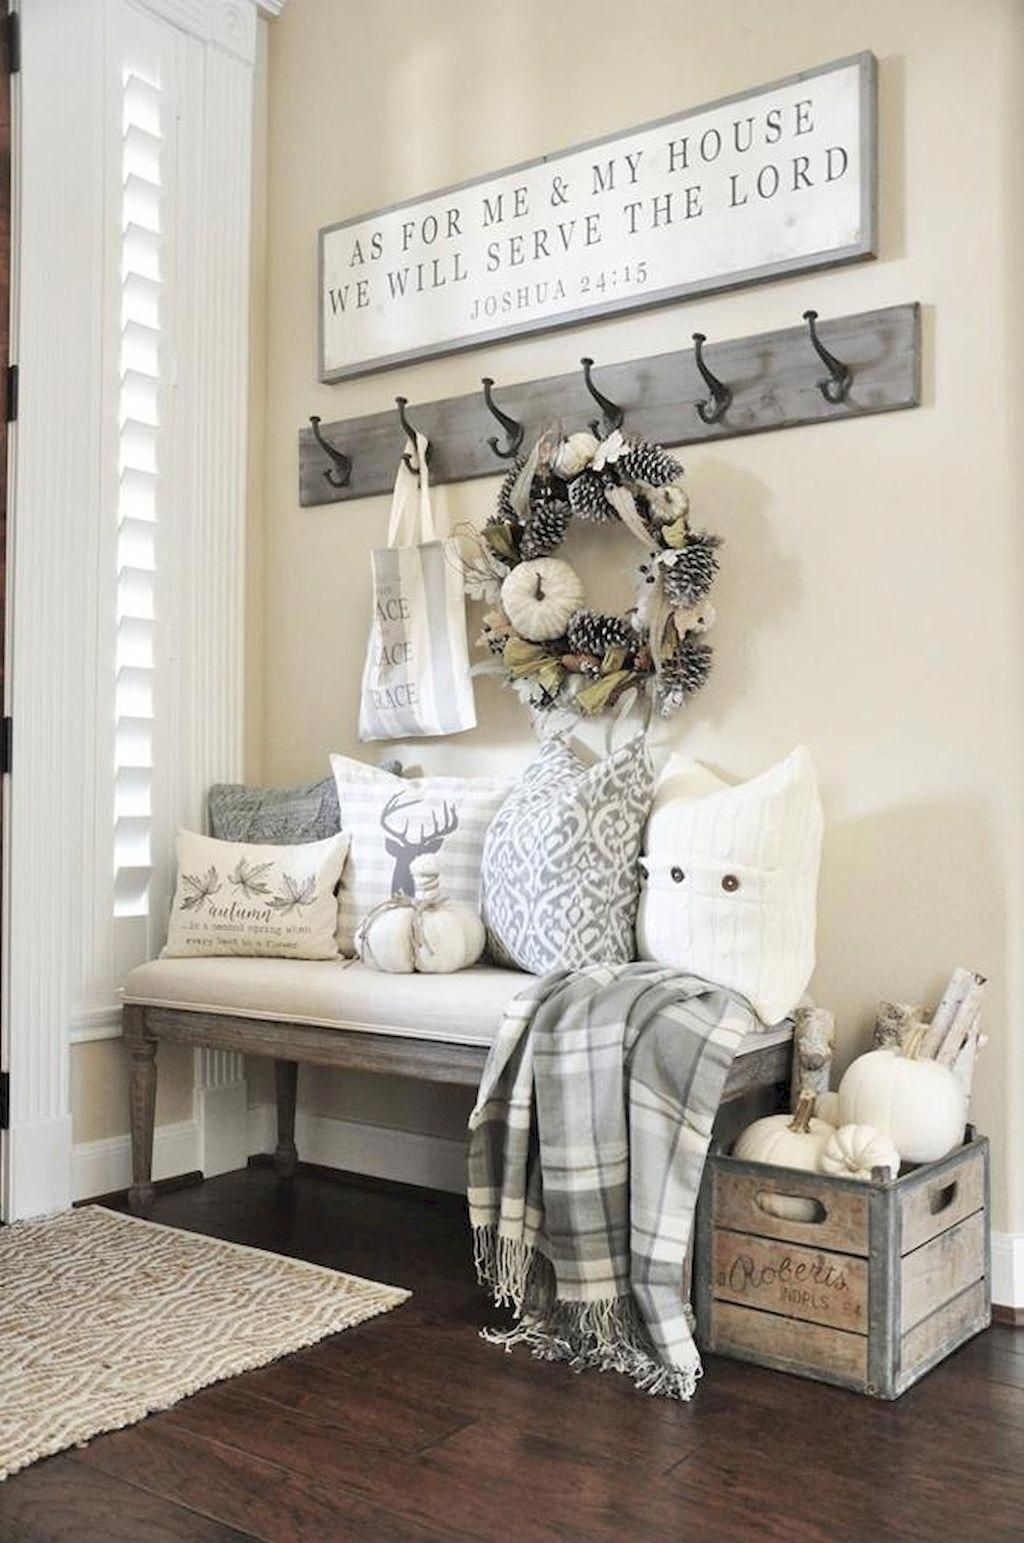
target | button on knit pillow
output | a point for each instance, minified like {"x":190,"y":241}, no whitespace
{"x":560,"y":864}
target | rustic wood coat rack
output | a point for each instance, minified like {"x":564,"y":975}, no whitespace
{"x":848,"y":367}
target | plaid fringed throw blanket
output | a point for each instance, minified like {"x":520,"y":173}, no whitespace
{"x":587,"y":1145}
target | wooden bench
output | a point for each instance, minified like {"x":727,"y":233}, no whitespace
{"x":341,"y":1014}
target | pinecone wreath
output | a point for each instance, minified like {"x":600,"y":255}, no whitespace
{"x":689,"y":573}
{"x":562,"y":657}
{"x":586,"y":496}
{"x":591,"y":632}
{"x":546,"y":523}
{"x":505,"y":510}
{"x":683,"y":674}
{"x":642,"y":462}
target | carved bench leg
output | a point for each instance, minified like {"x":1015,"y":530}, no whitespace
{"x":286,"y":1076}
{"x":142,"y":1055}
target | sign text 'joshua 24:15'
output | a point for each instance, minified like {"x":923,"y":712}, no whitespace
{"x":775,"y":181}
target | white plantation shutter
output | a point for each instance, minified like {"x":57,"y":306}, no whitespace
{"x":138,"y":494}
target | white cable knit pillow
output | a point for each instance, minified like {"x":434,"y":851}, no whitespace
{"x":732,"y":878}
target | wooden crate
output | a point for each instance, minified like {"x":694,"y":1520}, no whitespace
{"x":888,"y":1280}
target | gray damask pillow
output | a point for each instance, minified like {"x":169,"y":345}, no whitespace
{"x":560,"y":865}
{"x":278,"y":816}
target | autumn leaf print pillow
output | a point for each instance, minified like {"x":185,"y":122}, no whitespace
{"x":236,"y":898}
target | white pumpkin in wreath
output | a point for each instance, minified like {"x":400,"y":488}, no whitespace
{"x":540,"y":596}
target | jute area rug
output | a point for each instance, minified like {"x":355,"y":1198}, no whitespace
{"x":105,"y":1319}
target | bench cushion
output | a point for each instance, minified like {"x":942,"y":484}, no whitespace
{"x":462,"y":1009}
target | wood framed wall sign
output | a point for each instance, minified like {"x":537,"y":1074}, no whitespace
{"x":772,"y":181}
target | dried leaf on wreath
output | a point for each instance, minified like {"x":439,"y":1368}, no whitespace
{"x":674,"y":535}
{"x":500,"y":538}
{"x":595,"y":697}
{"x":523,"y":658}
{"x":613,"y":660}
{"x":198,"y":890}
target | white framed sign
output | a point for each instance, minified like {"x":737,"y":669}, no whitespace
{"x":773,"y":181}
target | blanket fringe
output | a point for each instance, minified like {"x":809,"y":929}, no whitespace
{"x":608,"y":1335}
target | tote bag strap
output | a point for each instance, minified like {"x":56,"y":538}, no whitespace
{"x":412,"y":518}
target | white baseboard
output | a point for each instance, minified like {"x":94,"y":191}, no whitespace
{"x":100,"y":1167}
{"x":1008,"y":1269}
{"x":408,"y":1157}
{"x":221,"y":1116}
{"x":38,"y":1168}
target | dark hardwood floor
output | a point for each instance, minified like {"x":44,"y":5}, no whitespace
{"x":409,"y":1427}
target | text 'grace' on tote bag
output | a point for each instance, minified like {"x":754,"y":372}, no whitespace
{"x":416,"y":678}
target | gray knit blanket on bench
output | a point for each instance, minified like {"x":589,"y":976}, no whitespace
{"x":587,"y":1145}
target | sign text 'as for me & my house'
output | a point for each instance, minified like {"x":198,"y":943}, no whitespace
{"x":775,"y":181}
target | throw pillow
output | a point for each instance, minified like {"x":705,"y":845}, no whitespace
{"x":732,"y":878}
{"x":393,"y":819}
{"x":237,"y":898}
{"x":560,"y":860}
{"x":281,"y":816}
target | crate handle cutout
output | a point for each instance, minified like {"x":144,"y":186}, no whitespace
{"x":765,"y":1197}
{"x":942,"y":1199}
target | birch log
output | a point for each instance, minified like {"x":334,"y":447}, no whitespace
{"x":949,"y":1002}
{"x":964,"y":1019}
{"x":893,"y":1023}
{"x":963,"y":1066}
{"x":814,"y":1040}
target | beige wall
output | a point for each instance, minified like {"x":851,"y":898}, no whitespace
{"x":869,"y":598}
{"x":99,"y":1088}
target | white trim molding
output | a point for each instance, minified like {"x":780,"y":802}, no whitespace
{"x":1008,"y":1270}
{"x":63,"y":527}
{"x":105,"y":1166}
{"x":405,"y":1156}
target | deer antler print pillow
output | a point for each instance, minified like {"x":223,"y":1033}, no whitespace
{"x":391,"y":820}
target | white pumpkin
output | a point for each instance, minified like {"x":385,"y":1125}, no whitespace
{"x":573,"y":455}
{"x":855,"y":1151}
{"x":827,"y":1107}
{"x":917,"y":1102}
{"x":788,"y":1141}
{"x":427,"y":933}
{"x":540,"y":596}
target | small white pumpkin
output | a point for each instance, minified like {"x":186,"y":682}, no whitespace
{"x":427,"y":933}
{"x":573,"y":455}
{"x":540,"y":596}
{"x":917,"y":1102}
{"x":788,"y":1141}
{"x":855,"y":1151}
{"x":827,"y":1107}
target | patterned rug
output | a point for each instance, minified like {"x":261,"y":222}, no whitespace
{"x":105,"y":1319}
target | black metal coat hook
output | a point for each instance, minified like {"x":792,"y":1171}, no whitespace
{"x":840,"y":377}
{"x":514,"y":432}
{"x":614,"y":417}
{"x":402,"y":402}
{"x":721,"y":395}
{"x":339,"y":474}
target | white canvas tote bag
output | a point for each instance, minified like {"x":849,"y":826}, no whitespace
{"x":416,"y":678}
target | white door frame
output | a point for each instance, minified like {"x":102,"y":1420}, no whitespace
{"x":57,"y":514}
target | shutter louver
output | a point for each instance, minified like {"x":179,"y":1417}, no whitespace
{"x":138,"y":496}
